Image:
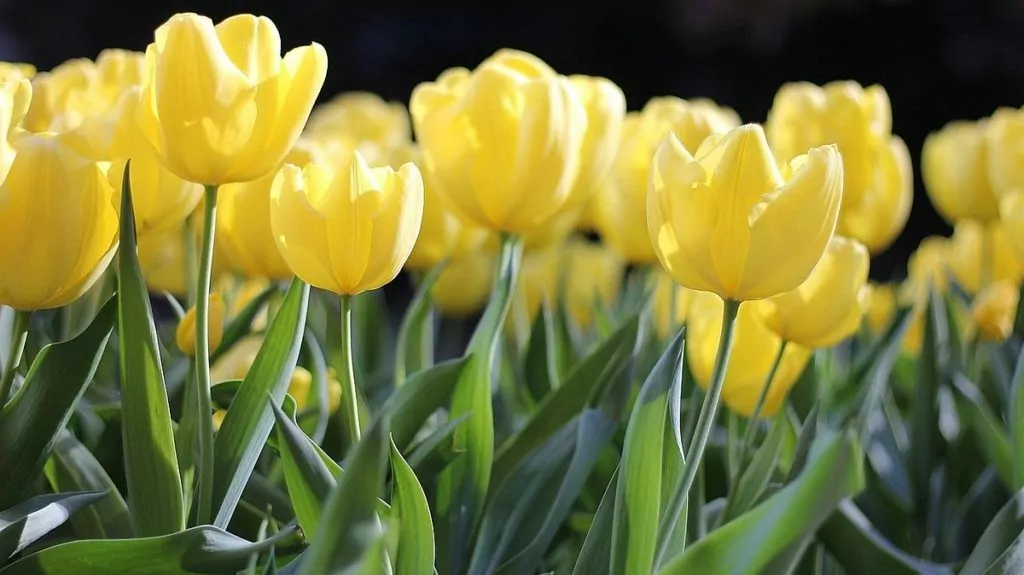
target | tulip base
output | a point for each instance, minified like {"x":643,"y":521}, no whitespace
{"x":202,"y":357}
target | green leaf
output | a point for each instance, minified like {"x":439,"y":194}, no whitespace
{"x":595,"y":556}
{"x":28,"y":521}
{"x":350,"y":527}
{"x":594,"y":373}
{"x":241,"y":324}
{"x":414,"y":349}
{"x":430,"y":456}
{"x":756,"y":476}
{"x":594,"y":432}
{"x":150,"y":460}
{"x":424,"y":393}
{"x":1016,"y":420}
{"x":248,"y":423}
{"x":999,"y":539}
{"x":200,"y":550}
{"x":749,"y":543}
{"x":548,"y":353}
{"x":924,"y":412}
{"x":463,"y":485}
{"x":308,"y":478}
{"x":987,"y":426}
{"x":851,"y":538}
{"x":638,"y":504}
{"x":879,"y":364}
{"x":411,"y":512}
{"x":803,"y":443}
{"x":32,"y":420}
{"x":72,"y":467}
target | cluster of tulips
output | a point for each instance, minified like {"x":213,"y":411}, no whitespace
{"x":205,"y":162}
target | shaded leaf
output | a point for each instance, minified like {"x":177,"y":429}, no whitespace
{"x":28,"y":521}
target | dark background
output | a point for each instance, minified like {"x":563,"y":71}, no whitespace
{"x":938,"y":59}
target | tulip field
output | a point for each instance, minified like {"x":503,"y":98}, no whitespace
{"x":639,"y":342}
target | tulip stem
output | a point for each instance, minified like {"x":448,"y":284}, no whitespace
{"x":191,"y":260}
{"x":705,"y":422}
{"x":18,"y":337}
{"x":203,"y":358}
{"x":349,"y":401}
{"x":748,"y":434}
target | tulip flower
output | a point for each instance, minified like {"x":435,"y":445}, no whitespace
{"x":243,"y":222}
{"x":503,"y":142}
{"x":727,"y":221}
{"x":622,"y":208}
{"x":593,"y":279}
{"x":829,"y":306}
{"x":219,"y":103}
{"x":667,"y":314}
{"x":185,"y":334}
{"x":881,"y":307}
{"x":755,"y":348}
{"x":346,"y":231}
{"x":994,"y":311}
{"x":1005,"y":147}
{"x":954,"y":163}
{"x":162,"y":258}
{"x":927,"y":269}
{"x":361,"y":117}
{"x":537,"y":284}
{"x":980,"y":254}
{"x":1011,"y":211}
{"x":14,"y":71}
{"x":15,"y":97}
{"x":881,"y":214}
{"x":464,"y":284}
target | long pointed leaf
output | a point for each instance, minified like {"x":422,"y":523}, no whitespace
{"x":308,"y":479}
{"x":72,"y":467}
{"x":414,"y":349}
{"x":424,"y":393}
{"x":28,"y":521}
{"x":1000,"y":536}
{"x":411,"y":512}
{"x":595,"y":557}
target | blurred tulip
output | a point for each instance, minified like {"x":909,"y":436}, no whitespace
{"x":301,"y":389}
{"x":995,"y":309}
{"x":754,"y":350}
{"x":346,"y":231}
{"x":593,"y":279}
{"x":243,"y":221}
{"x":503,"y":142}
{"x":1005,"y":139}
{"x":59,"y":220}
{"x":927,"y":269}
{"x":162,"y":258}
{"x":728,"y":222}
{"x":954,"y":164}
{"x":829,"y":306}
{"x":361,"y":117}
{"x":665,"y":289}
{"x":883,"y":210}
{"x":185,"y":335}
{"x":980,"y":254}
{"x":1011,"y":210}
{"x":881,"y":307}
{"x":621,"y":208}
{"x":14,"y":71}
{"x":219,"y":103}
{"x":465,"y":284}
{"x":218,"y":418}
{"x":537,"y":283}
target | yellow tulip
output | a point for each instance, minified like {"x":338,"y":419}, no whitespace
{"x":665,"y":289}
{"x":621,"y":207}
{"x":465,"y":284}
{"x":728,"y":222}
{"x":162,"y":258}
{"x":442,"y":234}
{"x":185,"y":335}
{"x":300,"y":387}
{"x":243,"y":221}
{"x":883,"y":210}
{"x":14,"y":71}
{"x":605,"y":105}
{"x":346,"y":231}
{"x":503,"y":142}
{"x":361,"y":117}
{"x":1005,"y":139}
{"x":754,"y":350}
{"x":218,"y":418}
{"x":537,"y":283}
{"x":927,"y":269}
{"x":1011,"y":212}
{"x":829,"y":306}
{"x":881,"y":307}
{"x":60,"y":224}
{"x":980,"y":254}
{"x":15,"y":98}
{"x":593,"y":278}
{"x":995,"y":309}
{"x":219,"y":103}
{"x":954,"y":163}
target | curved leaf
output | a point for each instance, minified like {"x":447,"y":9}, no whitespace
{"x":414,"y":349}
{"x":28,"y":521}
{"x":411,"y":512}
{"x":1000,"y":536}
{"x":426,"y":391}
{"x":595,"y":557}
{"x":72,"y":467}
{"x":309,"y":480}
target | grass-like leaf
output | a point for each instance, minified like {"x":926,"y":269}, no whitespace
{"x":72,"y":467}
{"x":414,"y":349}
{"x":411,"y":514}
{"x":28,"y":521}
{"x":309,"y":479}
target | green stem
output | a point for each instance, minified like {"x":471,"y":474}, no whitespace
{"x":349,"y":403}
{"x":748,"y":435}
{"x":705,"y":421}
{"x":191,"y":260}
{"x":203,"y":358}
{"x":18,"y":337}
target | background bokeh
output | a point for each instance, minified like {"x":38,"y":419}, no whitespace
{"x":938,"y":59}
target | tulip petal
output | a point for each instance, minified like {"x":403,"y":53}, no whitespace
{"x":300,"y":228}
{"x":253,"y":44}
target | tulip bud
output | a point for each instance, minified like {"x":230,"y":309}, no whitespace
{"x":995,"y":309}
{"x":465,"y":284}
{"x":754,"y":350}
{"x":346,"y":231}
{"x":728,"y":222}
{"x":1005,"y":147}
{"x":59,"y":221}
{"x":881,"y":307}
{"x":621,"y":209}
{"x":829,"y":306}
{"x":219,"y":103}
{"x":668,"y":315}
{"x":185,"y":335}
{"x":954,"y":163}
{"x":502,"y":142}
{"x":980,"y":254}
{"x":361,"y":117}
{"x":218,"y":418}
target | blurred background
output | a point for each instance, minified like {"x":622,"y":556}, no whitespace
{"x":938,"y":59}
